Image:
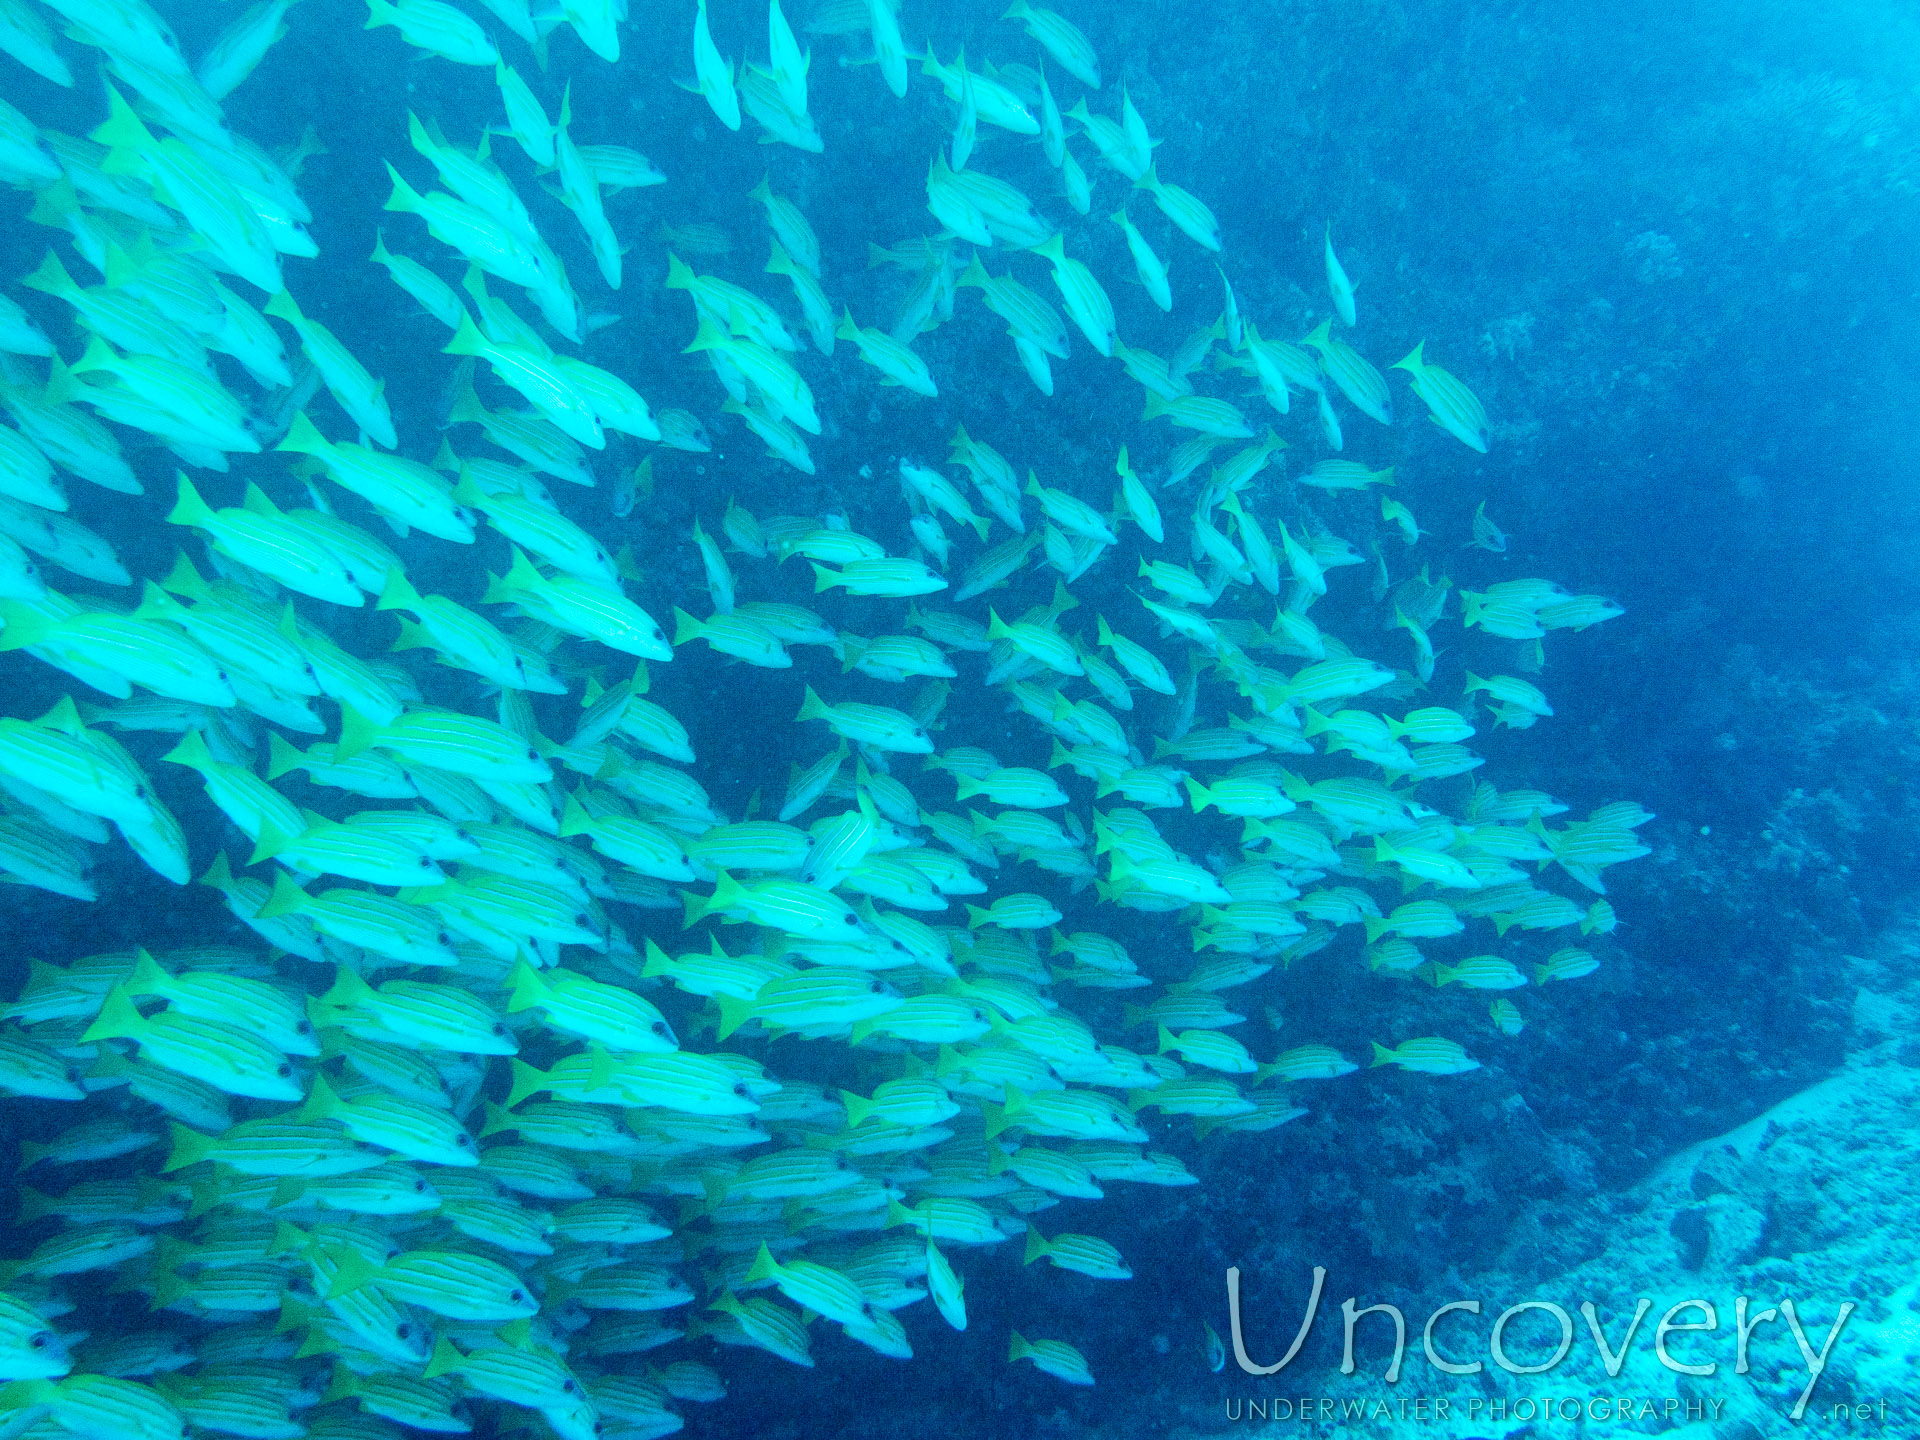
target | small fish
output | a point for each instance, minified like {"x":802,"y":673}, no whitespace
{"x":1568,"y":964}
{"x":1086,"y":301}
{"x":224,"y":1056}
{"x":1450,"y":404}
{"x":946,"y":1287}
{"x":1061,"y":38}
{"x":1186,"y":210}
{"x":1338,"y":285}
{"x":1085,"y":1254}
{"x":897,"y":364}
{"x":1399,"y":516}
{"x":883,"y":576}
{"x":1056,"y":1357}
{"x":1151,"y":268}
{"x":734,"y":635}
{"x":698,"y":238}
{"x":436,"y":28}
{"x":1352,"y":373}
{"x":1481,"y":972}
{"x":1430,"y":1055}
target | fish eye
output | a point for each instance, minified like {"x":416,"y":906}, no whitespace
{"x":403,"y":1331}
{"x":849,"y":918}
{"x":532,"y":754}
{"x":741,"y":1090}
{"x":41,"y":1339}
{"x":875,"y":987}
{"x":463,"y":1139}
{"x":660,"y":1027}
{"x":283,"y":1071}
{"x":568,"y":1387}
{"x":139,"y":792}
{"x":425,"y":863}
{"x":581,"y":920}
{"x":444,"y":938}
{"x":499,"y":1029}
{"x":301,"y":1027}
{"x":419,"y":1187}
{"x":517,"y":1297}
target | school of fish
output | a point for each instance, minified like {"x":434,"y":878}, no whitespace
{"x":487,"y":1124}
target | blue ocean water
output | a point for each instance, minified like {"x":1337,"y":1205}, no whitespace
{"x":1670,"y":251}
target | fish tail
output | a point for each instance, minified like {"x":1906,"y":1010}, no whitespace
{"x":190,"y":1147}
{"x":282,"y":306}
{"x":122,"y":129}
{"x":397,"y":593}
{"x":813,"y":707}
{"x":734,"y":1012}
{"x":118,"y":1019}
{"x":404,"y":197}
{"x":446,"y":1360}
{"x":51,"y":277}
{"x":526,"y":1081}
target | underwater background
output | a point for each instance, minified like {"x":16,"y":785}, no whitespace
{"x":1670,"y":249}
